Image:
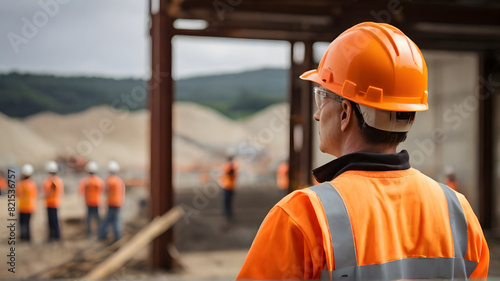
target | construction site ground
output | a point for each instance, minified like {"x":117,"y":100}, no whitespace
{"x":208,"y":246}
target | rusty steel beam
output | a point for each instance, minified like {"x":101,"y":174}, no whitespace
{"x":160,"y":103}
{"x":260,"y":34}
{"x":306,"y":108}
{"x":293,"y":98}
{"x":301,"y":118}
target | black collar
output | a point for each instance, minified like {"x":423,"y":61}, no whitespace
{"x":362,"y":161}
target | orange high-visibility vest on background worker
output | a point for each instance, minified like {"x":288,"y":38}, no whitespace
{"x":91,"y":187}
{"x":116,"y":191}
{"x":452,"y":185}
{"x":26,"y":192}
{"x":228,"y":177}
{"x":385,"y":224}
{"x":3,"y":185}
{"x":282,"y":176}
{"x":53,"y":188}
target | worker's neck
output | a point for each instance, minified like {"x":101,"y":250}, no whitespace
{"x":356,"y":144}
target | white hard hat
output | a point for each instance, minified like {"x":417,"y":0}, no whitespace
{"x":448,"y":170}
{"x":92,"y":167}
{"x":27,"y":170}
{"x":113,"y":167}
{"x":51,"y":167}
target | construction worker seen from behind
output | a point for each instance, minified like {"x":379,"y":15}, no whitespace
{"x":282,"y":180}
{"x":26,"y":193}
{"x":91,"y":188}
{"x":227,"y":182}
{"x":3,"y":184}
{"x":115,"y":189}
{"x":451,"y":178}
{"x":53,"y":189}
{"x":374,"y":217}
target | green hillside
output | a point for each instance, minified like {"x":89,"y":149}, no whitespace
{"x":235,"y":95}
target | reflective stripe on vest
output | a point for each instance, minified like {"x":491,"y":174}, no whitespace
{"x":346,"y":267}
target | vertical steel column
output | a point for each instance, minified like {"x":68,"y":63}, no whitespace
{"x":486,"y":146}
{"x":301,"y":115}
{"x":306,"y":105}
{"x":160,"y":103}
{"x":294,"y":99}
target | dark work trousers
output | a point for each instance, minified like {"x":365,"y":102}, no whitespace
{"x":55,"y":233}
{"x":228,"y":203}
{"x":92,"y":211}
{"x":24,"y":224}
{"x":113,"y":218}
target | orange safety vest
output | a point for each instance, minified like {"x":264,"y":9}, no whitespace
{"x":3,"y":184}
{"x":282,"y":176}
{"x":26,"y":192}
{"x":452,"y":185}
{"x":116,"y":191}
{"x":91,"y":187}
{"x":228,"y":177}
{"x":53,"y":188}
{"x":362,"y":225}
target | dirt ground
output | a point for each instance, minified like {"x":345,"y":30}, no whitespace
{"x":209,"y":246}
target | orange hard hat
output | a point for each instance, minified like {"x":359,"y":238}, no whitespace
{"x":375,"y":65}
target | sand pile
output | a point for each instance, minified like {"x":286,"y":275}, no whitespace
{"x":268,"y":130}
{"x":19,"y":144}
{"x":101,"y":134}
{"x":200,"y":123}
{"x":201,"y":136}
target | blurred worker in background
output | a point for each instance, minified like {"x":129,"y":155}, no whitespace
{"x":282,"y":179}
{"x":26,"y":193}
{"x":91,"y":187}
{"x":116,"y":193}
{"x":451,"y":179}
{"x":373,"y":217}
{"x":3,"y":184}
{"x":53,"y":188}
{"x":227,"y":182}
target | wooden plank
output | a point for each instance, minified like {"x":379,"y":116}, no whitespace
{"x":155,"y":228}
{"x":96,"y":256}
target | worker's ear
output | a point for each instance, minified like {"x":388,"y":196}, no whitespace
{"x":346,"y":115}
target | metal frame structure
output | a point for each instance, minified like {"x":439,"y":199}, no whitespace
{"x":443,"y":24}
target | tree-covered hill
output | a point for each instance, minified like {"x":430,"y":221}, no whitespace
{"x":235,"y":95}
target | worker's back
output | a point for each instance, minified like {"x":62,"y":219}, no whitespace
{"x":3,"y":185}
{"x":116,"y":191}
{"x":26,"y":192}
{"x":228,"y":178}
{"x":53,"y":188}
{"x":282,"y":176}
{"x":393,"y":219}
{"x":398,"y":216}
{"x":91,"y":187}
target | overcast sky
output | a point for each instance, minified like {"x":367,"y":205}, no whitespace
{"x":111,"y":38}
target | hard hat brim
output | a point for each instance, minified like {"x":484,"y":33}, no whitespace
{"x":312,"y":75}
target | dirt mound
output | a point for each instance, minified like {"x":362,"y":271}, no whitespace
{"x":19,"y":144}
{"x":205,"y":125}
{"x":202,"y":136}
{"x":100,"y":133}
{"x":269,"y":129}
